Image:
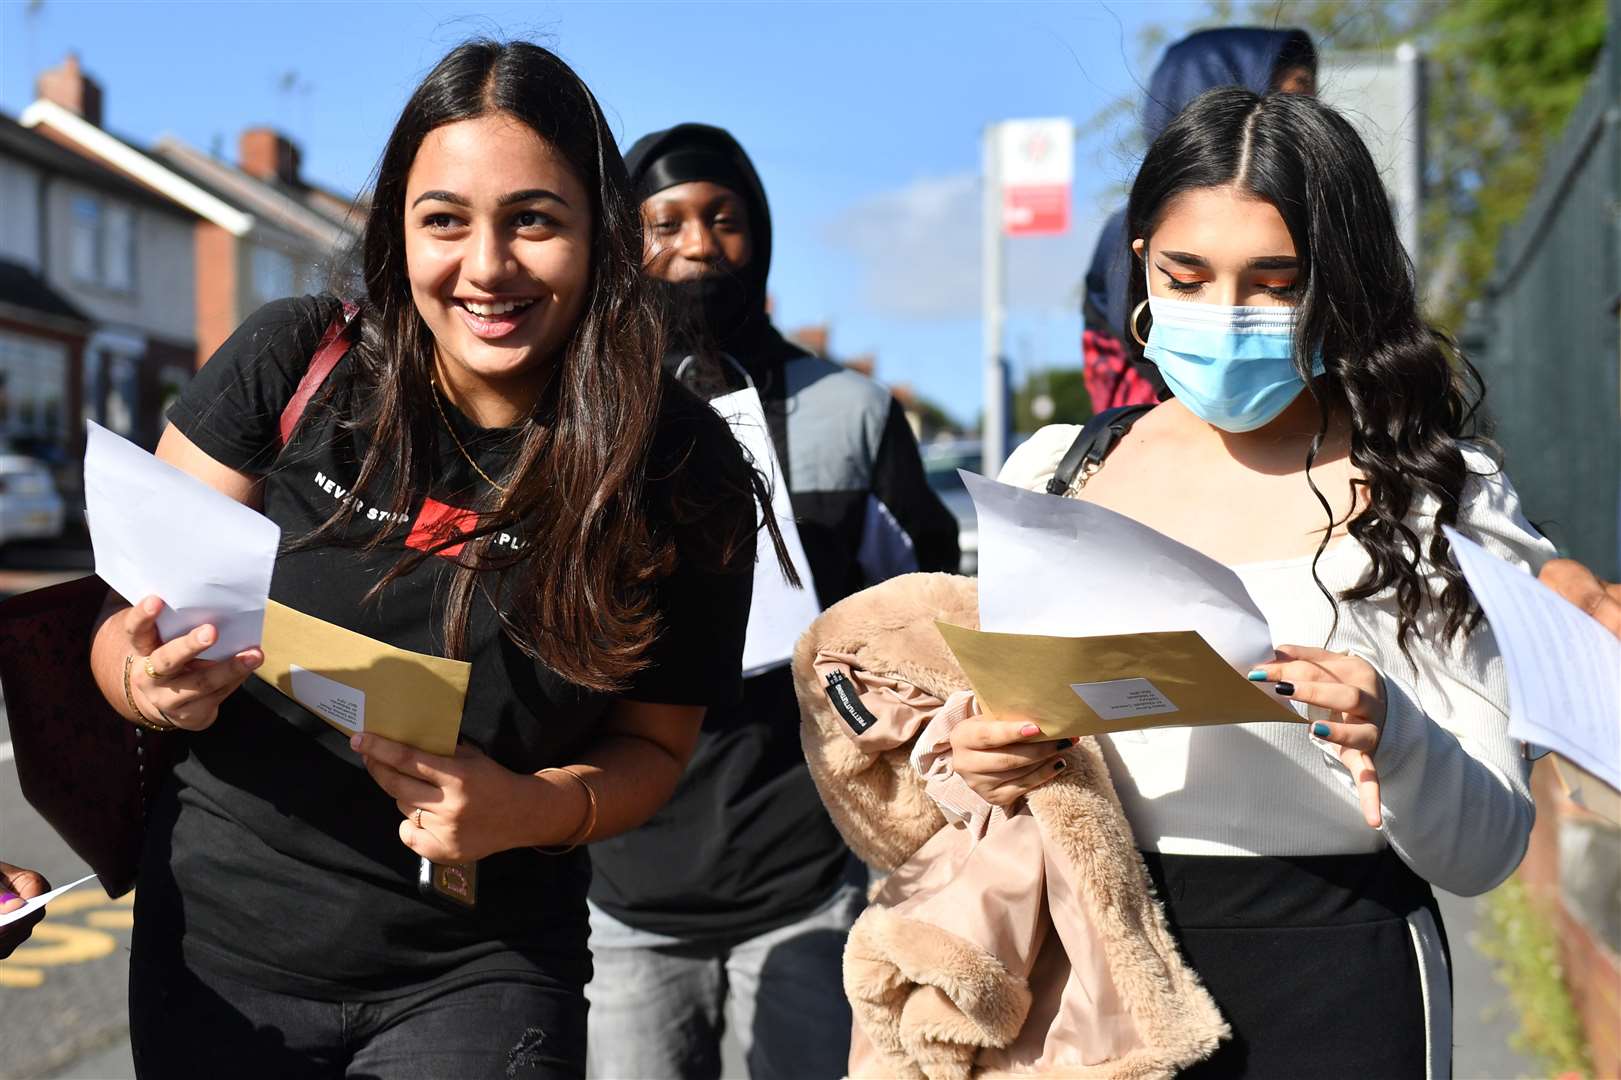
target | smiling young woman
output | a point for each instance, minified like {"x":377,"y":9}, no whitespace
{"x":495,"y":471}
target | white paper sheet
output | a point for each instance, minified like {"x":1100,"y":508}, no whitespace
{"x":41,"y":900}
{"x":1059,"y":566}
{"x":160,"y":532}
{"x":1564,"y":669}
{"x":779,"y":612}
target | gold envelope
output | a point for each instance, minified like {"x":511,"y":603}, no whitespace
{"x":357,"y":683}
{"x":1075,"y":686}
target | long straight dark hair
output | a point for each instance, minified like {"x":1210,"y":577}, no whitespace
{"x":1409,"y":392}
{"x":578,"y":595}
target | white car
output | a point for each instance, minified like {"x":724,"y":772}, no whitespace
{"x":30,"y":508}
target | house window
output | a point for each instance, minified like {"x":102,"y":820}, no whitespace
{"x":270,"y":273}
{"x":32,"y":381}
{"x":101,"y":243}
{"x":118,"y":247}
{"x":84,"y":242}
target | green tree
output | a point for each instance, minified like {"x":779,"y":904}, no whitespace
{"x":1064,"y":390}
{"x":1504,"y":76}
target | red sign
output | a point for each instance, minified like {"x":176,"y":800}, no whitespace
{"x":1036,"y":162}
{"x":1035,"y":211}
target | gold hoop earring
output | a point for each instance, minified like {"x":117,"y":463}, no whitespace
{"x":1135,"y":313}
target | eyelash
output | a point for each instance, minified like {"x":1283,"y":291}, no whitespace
{"x":1281,"y":292}
{"x":443,"y":222}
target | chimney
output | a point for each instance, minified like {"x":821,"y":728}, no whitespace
{"x":866,"y":364}
{"x":811,"y":338}
{"x":269,"y":155}
{"x":68,"y":86}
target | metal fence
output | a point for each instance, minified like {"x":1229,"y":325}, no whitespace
{"x":1548,"y":339}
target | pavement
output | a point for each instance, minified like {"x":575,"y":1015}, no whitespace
{"x":63,"y":994}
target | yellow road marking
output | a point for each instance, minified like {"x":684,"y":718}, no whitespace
{"x":19,"y":978}
{"x":73,"y":945}
{"x":54,"y":942}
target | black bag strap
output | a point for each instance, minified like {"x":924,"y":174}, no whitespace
{"x":1098,"y":436}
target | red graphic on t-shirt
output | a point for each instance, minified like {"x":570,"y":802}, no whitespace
{"x":438,"y":522}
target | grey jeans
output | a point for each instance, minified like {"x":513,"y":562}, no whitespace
{"x":660,"y":1005}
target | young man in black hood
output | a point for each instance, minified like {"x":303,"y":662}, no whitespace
{"x":734,"y":900}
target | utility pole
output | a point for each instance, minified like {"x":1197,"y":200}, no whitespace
{"x":993,"y":430}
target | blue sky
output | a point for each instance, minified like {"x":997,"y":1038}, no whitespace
{"x":864,"y":120}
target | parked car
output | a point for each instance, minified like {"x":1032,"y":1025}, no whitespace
{"x":30,"y":507}
{"x":941,"y":460}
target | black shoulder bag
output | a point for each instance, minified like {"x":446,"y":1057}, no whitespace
{"x":1098,"y":436}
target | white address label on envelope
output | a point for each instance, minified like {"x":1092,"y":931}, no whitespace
{"x":1124,"y":699}
{"x":329,"y":699}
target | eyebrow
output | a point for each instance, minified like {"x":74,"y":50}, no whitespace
{"x":526,"y":195}
{"x":726,"y":200}
{"x":1264,"y":262}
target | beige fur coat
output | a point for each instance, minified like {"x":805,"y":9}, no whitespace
{"x":1019,"y":943}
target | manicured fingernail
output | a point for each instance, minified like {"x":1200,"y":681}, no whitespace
{"x":1256,"y":675}
{"x":1320,"y":730}
{"x":1284,"y":688}
{"x":1030,"y":729}
{"x":8,"y":897}
{"x":355,"y":741}
{"x":1060,"y":765}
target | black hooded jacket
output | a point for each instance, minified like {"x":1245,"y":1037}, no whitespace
{"x":744,"y":845}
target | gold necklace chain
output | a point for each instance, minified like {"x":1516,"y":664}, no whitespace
{"x":457,"y":439}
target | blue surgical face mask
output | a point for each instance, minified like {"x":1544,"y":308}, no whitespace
{"x":1231,"y":366}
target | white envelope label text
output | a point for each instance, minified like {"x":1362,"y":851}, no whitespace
{"x":329,"y":699}
{"x":1122,"y":699}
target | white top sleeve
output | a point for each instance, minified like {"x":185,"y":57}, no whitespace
{"x":1454,"y":786}
{"x":1037,"y":458}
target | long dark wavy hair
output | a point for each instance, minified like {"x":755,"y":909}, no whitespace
{"x":578,"y":596}
{"x":1408,"y":392}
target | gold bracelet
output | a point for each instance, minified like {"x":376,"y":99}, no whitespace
{"x":580,"y":835}
{"x":141,"y":718}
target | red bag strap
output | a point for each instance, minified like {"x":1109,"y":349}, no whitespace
{"x":333,"y":345}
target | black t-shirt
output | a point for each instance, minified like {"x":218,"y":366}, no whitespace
{"x":277,"y":858}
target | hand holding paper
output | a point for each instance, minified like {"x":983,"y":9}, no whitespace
{"x":1166,"y":629}
{"x":158,"y":531}
{"x":359,"y":684}
{"x":1564,"y":669}
{"x":36,"y":903}
{"x":1050,"y":565}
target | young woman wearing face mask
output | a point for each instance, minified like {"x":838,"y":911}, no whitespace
{"x":494,"y":471}
{"x":1318,"y":439}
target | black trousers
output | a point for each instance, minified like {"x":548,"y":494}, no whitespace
{"x":186,"y":1022}
{"x":1310,"y":960}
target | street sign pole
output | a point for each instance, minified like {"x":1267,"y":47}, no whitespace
{"x":993,"y":430}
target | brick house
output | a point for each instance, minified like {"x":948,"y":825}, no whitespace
{"x":303,"y":232}
{"x":259,"y":231}
{"x":85,"y":331}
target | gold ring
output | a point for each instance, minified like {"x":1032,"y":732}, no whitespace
{"x":416,"y":817}
{"x":151,"y":672}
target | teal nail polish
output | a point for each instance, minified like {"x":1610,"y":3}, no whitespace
{"x":1257,"y":676}
{"x":1320,"y":730}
